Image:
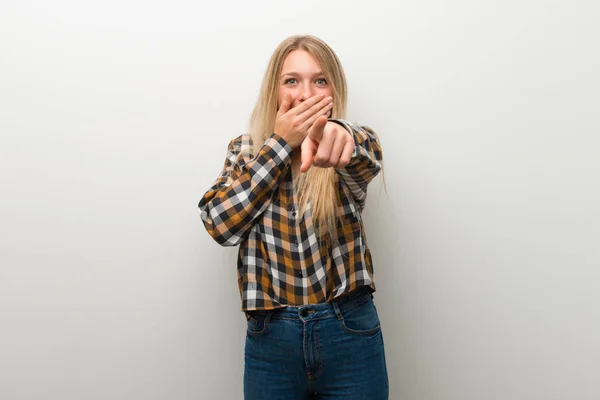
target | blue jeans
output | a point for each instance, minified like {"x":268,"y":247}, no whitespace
{"x":327,"y":351}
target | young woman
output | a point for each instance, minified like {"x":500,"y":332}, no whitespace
{"x":291,"y":195}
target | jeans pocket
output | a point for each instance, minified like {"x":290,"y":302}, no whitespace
{"x":257,"y":322}
{"x":361,"y":320}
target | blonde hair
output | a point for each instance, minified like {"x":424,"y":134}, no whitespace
{"x":317,"y":185}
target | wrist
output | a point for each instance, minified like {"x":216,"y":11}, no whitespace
{"x":339,"y":127}
{"x":288,"y":140}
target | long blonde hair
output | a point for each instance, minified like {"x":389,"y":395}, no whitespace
{"x":317,"y":185}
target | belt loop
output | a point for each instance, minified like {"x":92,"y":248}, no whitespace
{"x":337,"y":310}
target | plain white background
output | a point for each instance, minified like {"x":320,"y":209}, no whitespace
{"x":115,"y":117}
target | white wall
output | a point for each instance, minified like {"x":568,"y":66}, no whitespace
{"x":115,"y":117}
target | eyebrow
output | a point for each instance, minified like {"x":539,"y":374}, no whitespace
{"x":319,"y":73}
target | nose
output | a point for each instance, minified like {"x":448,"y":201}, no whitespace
{"x":306,"y":92}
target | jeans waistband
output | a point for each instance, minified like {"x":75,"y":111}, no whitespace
{"x":319,"y":310}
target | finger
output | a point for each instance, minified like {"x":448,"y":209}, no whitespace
{"x":336,"y":152}
{"x":307,"y":104}
{"x":325,"y":104}
{"x":346,"y":154}
{"x":324,"y":149}
{"x":308,"y":150}
{"x":315,"y":132}
{"x":309,"y":123}
{"x":285,"y":105}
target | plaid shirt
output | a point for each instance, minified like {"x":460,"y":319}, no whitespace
{"x":281,"y":259}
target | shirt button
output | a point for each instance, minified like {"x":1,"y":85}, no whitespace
{"x":296,"y":243}
{"x":294,"y":214}
{"x":300,"y":274}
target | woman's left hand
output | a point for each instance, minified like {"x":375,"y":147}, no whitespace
{"x":327,"y":145}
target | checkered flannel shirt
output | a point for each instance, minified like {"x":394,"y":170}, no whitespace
{"x":281,"y":261}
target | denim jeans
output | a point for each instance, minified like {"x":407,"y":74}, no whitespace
{"x":319,"y":351}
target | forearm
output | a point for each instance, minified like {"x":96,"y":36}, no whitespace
{"x":365,"y":162}
{"x":243,"y":192}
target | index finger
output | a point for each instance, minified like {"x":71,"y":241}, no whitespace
{"x":316,"y":130}
{"x":306,"y":104}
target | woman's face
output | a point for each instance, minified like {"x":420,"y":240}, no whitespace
{"x":301,"y":76}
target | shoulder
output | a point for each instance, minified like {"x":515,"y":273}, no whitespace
{"x":240,"y":148}
{"x":242,"y":141}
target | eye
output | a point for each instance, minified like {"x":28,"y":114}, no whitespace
{"x":321,"y":81}
{"x":290,"y":81}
